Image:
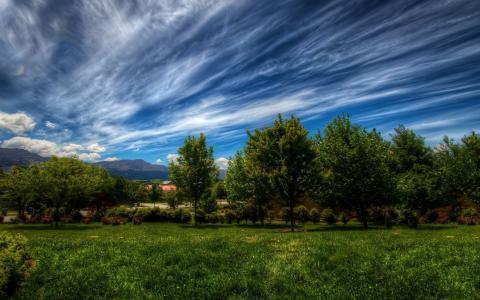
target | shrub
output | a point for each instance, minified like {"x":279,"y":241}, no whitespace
{"x":230,"y":216}
{"x":120,"y":211}
{"x":468,"y":216}
{"x":1,"y":218}
{"x":114,"y":220}
{"x":431,"y":216}
{"x":137,"y":219}
{"x":301,"y":214}
{"x":15,"y":262}
{"x":212,"y":218}
{"x":328,"y":216}
{"x":4,"y":211}
{"x":221,"y":218}
{"x":200,"y":217}
{"x":344,"y":218}
{"x":409,"y":217}
{"x":388,"y":220}
{"x":286,"y":214}
{"x":76,"y":216}
{"x":314,"y":215}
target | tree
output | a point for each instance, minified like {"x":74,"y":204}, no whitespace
{"x":409,"y":149}
{"x":194,"y":172}
{"x":18,"y":188}
{"x":283,"y":154}
{"x":456,"y":172}
{"x":155,"y":194}
{"x":235,"y":181}
{"x":67,"y":182}
{"x":355,"y":166}
{"x":218,"y":190}
{"x":413,"y":161}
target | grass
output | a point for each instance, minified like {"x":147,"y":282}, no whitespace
{"x":155,"y":261}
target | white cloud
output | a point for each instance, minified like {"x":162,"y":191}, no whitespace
{"x":89,"y":156}
{"x":72,"y":148}
{"x":50,"y":125}
{"x":95,"y":148}
{"x":41,"y":147}
{"x":172,"y":157}
{"x":111,"y":159}
{"x":159,"y":161}
{"x":47,"y":148}
{"x":222,"y":163}
{"x":17,"y":123}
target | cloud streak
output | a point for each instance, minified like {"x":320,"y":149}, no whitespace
{"x":139,"y":76}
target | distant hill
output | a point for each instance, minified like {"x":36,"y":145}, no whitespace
{"x":131,"y":169}
{"x":18,"y":157}
{"x":134,"y":169}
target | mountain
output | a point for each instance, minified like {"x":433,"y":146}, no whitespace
{"x":134,"y":169}
{"x":18,"y":157}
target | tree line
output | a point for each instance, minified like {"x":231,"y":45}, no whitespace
{"x":345,"y":167}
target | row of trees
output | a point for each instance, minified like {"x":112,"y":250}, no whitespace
{"x":66,"y":183}
{"x":350,"y":168}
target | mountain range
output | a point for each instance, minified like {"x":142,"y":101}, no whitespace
{"x":131,"y":169}
{"x":134,"y":169}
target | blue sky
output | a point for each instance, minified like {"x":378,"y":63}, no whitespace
{"x":130,"y":79}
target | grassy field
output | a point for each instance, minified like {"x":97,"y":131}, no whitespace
{"x":153,"y":261}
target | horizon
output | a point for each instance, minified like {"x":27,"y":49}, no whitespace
{"x":130,"y":81}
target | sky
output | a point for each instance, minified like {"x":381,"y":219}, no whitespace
{"x":107,"y":80}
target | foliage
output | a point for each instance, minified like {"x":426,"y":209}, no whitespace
{"x":235,"y":181}
{"x":173,"y":198}
{"x":301,"y":214}
{"x":194,"y":172}
{"x":314,"y":215}
{"x":328,"y":216}
{"x":15,"y":262}
{"x":280,"y":159}
{"x":355,"y":165}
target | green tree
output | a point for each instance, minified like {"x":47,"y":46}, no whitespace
{"x":413,"y":160}
{"x":155,"y":194}
{"x":355,"y":165}
{"x":455,"y":171}
{"x":283,"y":154}
{"x":18,"y":189}
{"x":409,"y":149}
{"x":236,"y":182}
{"x":194,"y":172}
{"x":68,"y":182}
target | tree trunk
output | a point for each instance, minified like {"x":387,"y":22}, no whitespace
{"x":292,"y":217}
{"x":363,"y":217}
{"x":56,"y":216}
{"x":195,"y":213}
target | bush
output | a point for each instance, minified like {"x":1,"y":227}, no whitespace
{"x":286,"y":213}
{"x":468,"y":216}
{"x":431,"y":216}
{"x":1,"y":218}
{"x":230,"y":216}
{"x":409,"y":217}
{"x":344,"y":218}
{"x":114,"y":220}
{"x":15,"y":262}
{"x":212,"y":218}
{"x":76,"y":216}
{"x":121,"y":211}
{"x":137,"y":219}
{"x":301,"y":214}
{"x":200,"y":216}
{"x":314,"y":215}
{"x":328,"y":216}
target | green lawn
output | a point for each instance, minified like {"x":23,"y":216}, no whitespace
{"x":153,"y":261}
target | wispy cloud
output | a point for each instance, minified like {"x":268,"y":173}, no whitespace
{"x":139,"y":76}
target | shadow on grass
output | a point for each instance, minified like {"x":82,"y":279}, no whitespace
{"x":43,"y":227}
